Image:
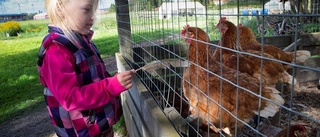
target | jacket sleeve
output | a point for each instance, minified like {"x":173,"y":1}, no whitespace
{"x":60,"y":76}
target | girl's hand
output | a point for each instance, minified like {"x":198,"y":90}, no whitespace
{"x":125,"y":78}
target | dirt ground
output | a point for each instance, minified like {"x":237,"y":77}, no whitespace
{"x":306,"y":102}
{"x":32,"y":125}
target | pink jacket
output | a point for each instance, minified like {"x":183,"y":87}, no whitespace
{"x":61,"y":79}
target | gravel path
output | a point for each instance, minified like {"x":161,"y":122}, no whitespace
{"x":110,"y":63}
{"x":38,"y":124}
{"x":32,"y":125}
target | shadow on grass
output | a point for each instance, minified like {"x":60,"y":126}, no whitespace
{"x":23,"y":111}
{"x":22,"y":107}
{"x":19,"y":83}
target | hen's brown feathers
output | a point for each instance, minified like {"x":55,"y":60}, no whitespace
{"x":272,"y":72}
{"x":206,"y":90}
{"x":248,"y":41}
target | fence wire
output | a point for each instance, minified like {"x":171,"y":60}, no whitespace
{"x":150,"y":31}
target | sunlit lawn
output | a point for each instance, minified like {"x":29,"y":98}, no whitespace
{"x":20,"y":90}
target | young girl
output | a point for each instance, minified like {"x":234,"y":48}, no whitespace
{"x":81,"y":97}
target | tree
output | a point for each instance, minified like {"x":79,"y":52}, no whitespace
{"x":30,"y":16}
{"x":299,"y":6}
{"x":112,"y":8}
{"x":315,"y":7}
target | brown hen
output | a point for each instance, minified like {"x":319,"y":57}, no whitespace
{"x":206,"y":90}
{"x":270,"y":73}
{"x":248,"y":41}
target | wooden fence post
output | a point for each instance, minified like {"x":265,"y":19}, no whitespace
{"x":124,"y":28}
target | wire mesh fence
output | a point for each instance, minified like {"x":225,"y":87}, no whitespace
{"x":212,"y":80}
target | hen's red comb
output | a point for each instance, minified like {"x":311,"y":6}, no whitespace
{"x":184,"y":30}
{"x":303,"y":127}
{"x":239,"y":25}
{"x":223,"y":19}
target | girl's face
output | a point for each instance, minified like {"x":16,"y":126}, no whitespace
{"x":81,"y":15}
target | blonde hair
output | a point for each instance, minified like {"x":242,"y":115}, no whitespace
{"x":58,"y":17}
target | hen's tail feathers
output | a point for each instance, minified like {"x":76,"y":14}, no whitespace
{"x":271,"y":109}
{"x":289,"y":79}
{"x":302,"y":55}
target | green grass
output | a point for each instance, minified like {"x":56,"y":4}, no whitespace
{"x":120,"y":127}
{"x":35,"y":23}
{"x":106,"y":41}
{"x":315,"y":56}
{"x":20,"y":89}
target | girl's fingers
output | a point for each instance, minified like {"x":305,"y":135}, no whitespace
{"x":124,"y":83}
{"x":129,"y":86}
{"x":125,"y":78}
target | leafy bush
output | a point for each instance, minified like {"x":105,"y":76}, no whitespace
{"x":311,"y":27}
{"x":34,"y":29}
{"x":273,"y":30}
{"x":252,"y":24}
{"x":30,"y":16}
{"x":12,"y":28}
